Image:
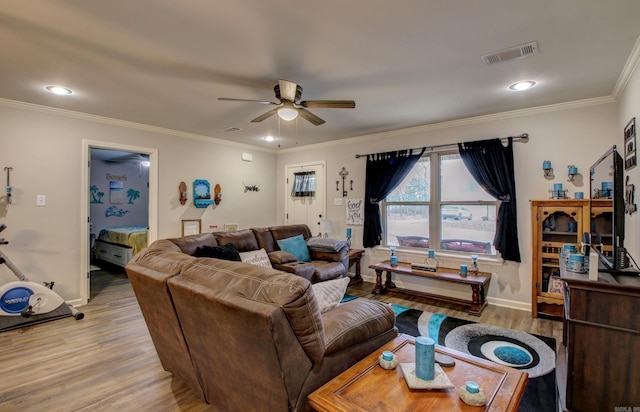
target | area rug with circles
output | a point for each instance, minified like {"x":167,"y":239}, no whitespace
{"x":530,"y":353}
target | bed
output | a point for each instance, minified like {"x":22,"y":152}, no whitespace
{"x":118,"y":245}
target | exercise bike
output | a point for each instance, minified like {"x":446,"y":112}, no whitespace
{"x":25,"y":298}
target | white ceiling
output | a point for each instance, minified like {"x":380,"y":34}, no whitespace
{"x":405,"y":63}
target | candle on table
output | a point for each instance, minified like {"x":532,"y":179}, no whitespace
{"x":425,"y":358}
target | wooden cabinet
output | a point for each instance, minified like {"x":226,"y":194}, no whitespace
{"x":554,"y":223}
{"x":602,"y":342}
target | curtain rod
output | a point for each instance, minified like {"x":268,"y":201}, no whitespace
{"x":524,"y":137}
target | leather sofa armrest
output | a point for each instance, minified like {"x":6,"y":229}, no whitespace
{"x":280,"y":257}
{"x":338,"y":256}
{"x":341,"y":256}
{"x":356,"y":321}
{"x":305,"y":270}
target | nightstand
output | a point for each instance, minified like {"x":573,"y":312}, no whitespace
{"x":354,"y":257}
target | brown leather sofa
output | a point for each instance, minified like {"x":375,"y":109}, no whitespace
{"x":248,"y":338}
{"x":323,"y":265}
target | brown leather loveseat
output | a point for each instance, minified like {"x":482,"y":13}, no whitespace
{"x":245,"y":337}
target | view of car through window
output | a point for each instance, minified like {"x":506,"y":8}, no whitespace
{"x":456,"y":213}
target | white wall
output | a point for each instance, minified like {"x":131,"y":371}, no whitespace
{"x":576,"y":133}
{"x":44,"y":147}
{"x":630,"y":107}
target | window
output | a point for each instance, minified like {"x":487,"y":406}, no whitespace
{"x":304,"y":184}
{"x":439,"y":199}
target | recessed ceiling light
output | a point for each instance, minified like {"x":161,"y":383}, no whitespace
{"x":524,"y":85}
{"x":269,"y":138}
{"x":60,"y":90}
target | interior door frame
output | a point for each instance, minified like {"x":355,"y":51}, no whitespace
{"x":286,"y":195}
{"x":85,"y":197}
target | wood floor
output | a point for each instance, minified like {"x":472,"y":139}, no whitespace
{"x":107,"y":362}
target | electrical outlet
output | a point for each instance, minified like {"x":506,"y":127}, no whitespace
{"x":41,"y":200}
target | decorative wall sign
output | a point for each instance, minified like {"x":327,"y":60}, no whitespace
{"x":252,"y":188}
{"x":355,"y":212}
{"x":191,"y":227}
{"x":201,"y":193}
{"x":630,"y":156}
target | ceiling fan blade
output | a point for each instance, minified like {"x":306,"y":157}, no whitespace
{"x":329,"y":104}
{"x":231,"y":99}
{"x":288,"y":90}
{"x":307,"y":115}
{"x":265,"y":116}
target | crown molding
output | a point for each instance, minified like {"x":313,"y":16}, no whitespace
{"x":368,"y":138}
{"x":627,"y":71}
{"x":458,"y":123}
{"x":127,"y":124}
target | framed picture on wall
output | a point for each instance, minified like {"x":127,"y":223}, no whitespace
{"x":630,"y":156}
{"x":230,"y":227}
{"x":191,"y":227}
{"x":116,"y":191}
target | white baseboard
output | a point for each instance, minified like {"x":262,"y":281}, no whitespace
{"x":75,"y":303}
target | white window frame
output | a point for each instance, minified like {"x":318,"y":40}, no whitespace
{"x":435,"y":205}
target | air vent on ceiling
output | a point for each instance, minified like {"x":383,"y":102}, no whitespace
{"x":231,"y":129}
{"x":516,"y":52}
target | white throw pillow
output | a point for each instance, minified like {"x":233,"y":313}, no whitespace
{"x":256,"y":257}
{"x":329,"y":293}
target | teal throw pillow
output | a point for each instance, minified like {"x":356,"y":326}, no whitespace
{"x":296,"y":246}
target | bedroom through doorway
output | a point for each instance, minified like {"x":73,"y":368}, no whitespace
{"x":119,"y":211}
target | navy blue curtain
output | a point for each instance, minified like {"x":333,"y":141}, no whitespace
{"x":385,"y":171}
{"x":491,"y":165}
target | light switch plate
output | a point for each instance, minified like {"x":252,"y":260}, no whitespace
{"x":337,"y":201}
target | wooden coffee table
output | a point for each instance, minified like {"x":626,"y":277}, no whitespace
{"x":367,"y":387}
{"x":478,"y":281}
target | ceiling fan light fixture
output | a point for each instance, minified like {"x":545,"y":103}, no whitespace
{"x":287,"y":113}
{"x":523,"y":85}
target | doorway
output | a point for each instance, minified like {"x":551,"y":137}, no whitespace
{"x":120,"y":190}
{"x":306,"y":208}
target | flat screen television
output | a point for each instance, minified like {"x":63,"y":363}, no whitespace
{"x":607,"y":210}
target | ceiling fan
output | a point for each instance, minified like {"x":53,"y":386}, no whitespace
{"x":290,"y":106}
